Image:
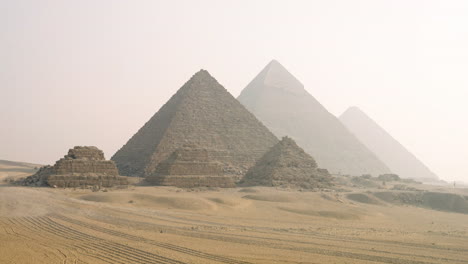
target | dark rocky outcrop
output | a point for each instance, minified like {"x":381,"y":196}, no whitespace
{"x":448,"y":202}
{"x":389,"y":177}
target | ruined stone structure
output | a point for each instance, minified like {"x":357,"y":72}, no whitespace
{"x":399,"y":159}
{"x":202,"y":113}
{"x":81,"y":167}
{"x":389,"y":177}
{"x":287,"y":165}
{"x":280,"y":101}
{"x":188,"y":167}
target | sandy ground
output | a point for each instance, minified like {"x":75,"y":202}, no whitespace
{"x":250,"y":225}
{"x":14,"y":170}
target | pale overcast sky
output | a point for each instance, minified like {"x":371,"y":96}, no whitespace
{"x":92,"y":72}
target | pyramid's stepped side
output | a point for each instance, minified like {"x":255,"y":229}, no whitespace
{"x":202,"y":113}
{"x":65,"y":166}
{"x":190,"y":167}
{"x":84,"y":180}
{"x":280,"y":101}
{"x":81,"y":167}
{"x":288,"y":165}
{"x":389,"y":150}
{"x":133,"y":158}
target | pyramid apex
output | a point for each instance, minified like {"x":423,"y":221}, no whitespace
{"x":274,"y":61}
{"x":276,"y":66}
{"x":354,"y":110}
{"x":274,"y":76}
{"x":202,"y":73}
{"x":201,"y":76}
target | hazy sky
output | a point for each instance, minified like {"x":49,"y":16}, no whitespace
{"x":92,"y":72}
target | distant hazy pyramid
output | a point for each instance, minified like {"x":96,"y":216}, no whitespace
{"x":286,"y":164}
{"x":390,"y":151}
{"x":280,"y":101}
{"x":202,"y":113}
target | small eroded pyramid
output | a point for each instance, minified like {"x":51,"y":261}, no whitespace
{"x":189,"y":167}
{"x":388,"y":149}
{"x":286,"y":164}
{"x":81,"y":167}
{"x":202,"y":113}
{"x":280,"y":101}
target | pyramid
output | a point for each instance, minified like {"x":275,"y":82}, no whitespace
{"x":280,"y":101}
{"x":202,"y":113}
{"x":388,"y":149}
{"x":189,"y":167}
{"x":286,"y":164}
{"x":81,"y":167}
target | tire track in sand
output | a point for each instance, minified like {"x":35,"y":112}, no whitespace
{"x":106,"y":251}
{"x":176,"y":248}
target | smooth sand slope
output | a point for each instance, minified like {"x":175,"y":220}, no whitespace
{"x":249,"y":225}
{"x":13,"y":169}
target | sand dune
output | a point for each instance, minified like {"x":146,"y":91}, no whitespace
{"x":328,"y":214}
{"x":145,"y":200}
{"x":172,"y":225}
{"x":248,"y":190}
{"x":23,"y":202}
{"x":13,"y":170}
{"x":279,"y":198}
{"x":363,"y":198}
{"x":231,"y":202}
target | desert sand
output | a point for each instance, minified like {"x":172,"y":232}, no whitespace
{"x":10,"y":170}
{"x":147,"y":224}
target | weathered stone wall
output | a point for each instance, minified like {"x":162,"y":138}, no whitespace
{"x":85,"y":153}
{"x":190,"y":168}
{"x":192,"y":181}
{"x":66,"y":166}
{"x":85,"y":179}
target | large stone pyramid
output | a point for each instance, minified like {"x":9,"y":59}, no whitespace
{"x":280,"y":101}
{"x":202,"y":113}
{"x":286,"y":164}
{"x":389,"y":150}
